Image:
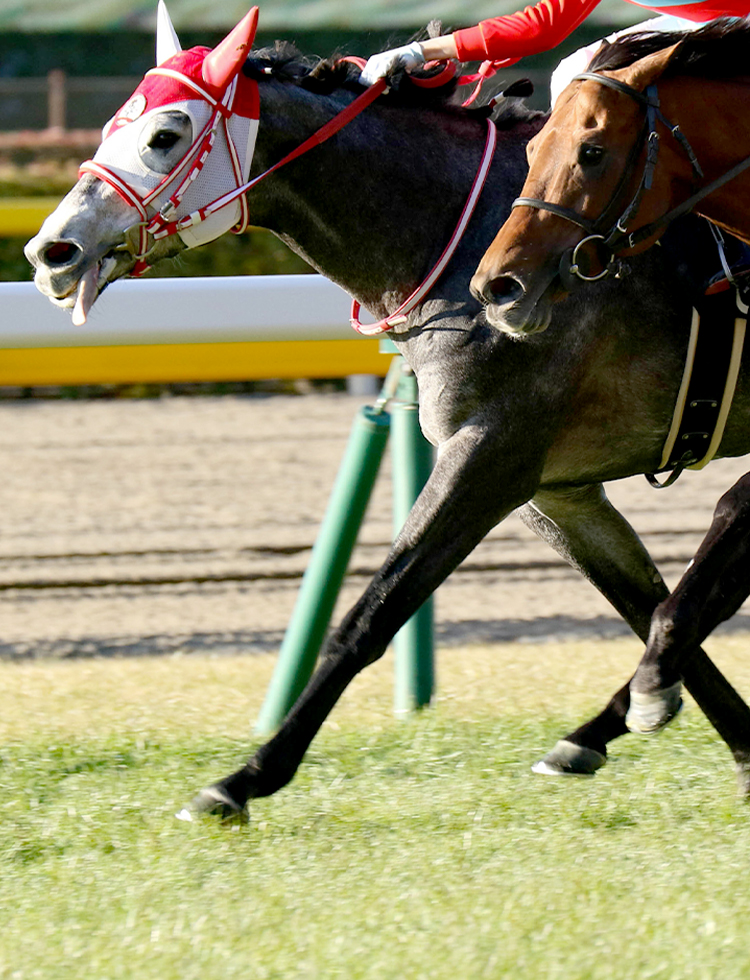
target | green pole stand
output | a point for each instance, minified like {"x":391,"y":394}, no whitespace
{"x":328,"y":563}
{"x":412,"y":462}
{"x":412,"y":457}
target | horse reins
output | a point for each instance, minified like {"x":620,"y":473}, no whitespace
{"x":617,"y":236}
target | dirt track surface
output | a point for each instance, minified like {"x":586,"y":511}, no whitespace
{"x":185,"y":524}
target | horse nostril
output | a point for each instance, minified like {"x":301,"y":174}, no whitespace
{"x":503,"y":289}
{"x":60,"y":253}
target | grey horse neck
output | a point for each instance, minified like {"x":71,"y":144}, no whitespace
{"x":397,"y":180}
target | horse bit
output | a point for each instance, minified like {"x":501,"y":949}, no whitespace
{"x":618,"y":236}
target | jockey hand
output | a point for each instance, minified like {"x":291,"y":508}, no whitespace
{"x":407,"y":58}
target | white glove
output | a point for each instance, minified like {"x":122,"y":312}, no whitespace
{"x":380,"y":65}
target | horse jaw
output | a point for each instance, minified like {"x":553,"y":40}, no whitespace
{"x":85,"y":244}
{"x":167,"y":42}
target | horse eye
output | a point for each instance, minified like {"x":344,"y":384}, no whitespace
{"x":589,"y":156}
{"x":165,"y":139}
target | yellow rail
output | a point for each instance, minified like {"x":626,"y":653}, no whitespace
{"x":165,"y":363}
{"x":24,"y":215}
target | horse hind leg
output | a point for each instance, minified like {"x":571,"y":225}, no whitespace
{"x":591,"y":535}
{"x":594,"y":537}
{"x":712,"y":589}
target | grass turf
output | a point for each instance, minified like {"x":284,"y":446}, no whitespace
{"x":414,"y":849}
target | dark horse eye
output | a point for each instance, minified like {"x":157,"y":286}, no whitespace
{"x":589,"y":156}
{"x":163,"y":140}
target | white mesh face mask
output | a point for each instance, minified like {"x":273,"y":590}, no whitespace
{"x":203,"y":195}
{"x":216,"y":178}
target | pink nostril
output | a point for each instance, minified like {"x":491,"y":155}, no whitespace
{"x":60,"y":253}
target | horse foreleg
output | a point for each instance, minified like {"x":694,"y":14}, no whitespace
{"x":589,"y":533}
{"x":712,"y":589}
{"x":457,"y":507}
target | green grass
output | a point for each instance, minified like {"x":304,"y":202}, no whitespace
{"x":417,"y":849}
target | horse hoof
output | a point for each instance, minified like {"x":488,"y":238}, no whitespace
{"x":743,"y":780}
{"x":214,"y":802}
{"x":569,"y":759}
{"x":649,"y":713}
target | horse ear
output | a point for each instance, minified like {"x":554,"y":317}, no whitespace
{"x":167,"y":42}
{"x":222,"y":64}
{"x":645,"y":71}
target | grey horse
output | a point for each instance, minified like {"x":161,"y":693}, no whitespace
{"x":535,"y":424}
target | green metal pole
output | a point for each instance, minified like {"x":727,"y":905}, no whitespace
{"x":412,"y":458}
{"x":328,"y":562}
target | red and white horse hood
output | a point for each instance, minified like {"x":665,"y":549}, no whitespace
{"x":222,"y":104}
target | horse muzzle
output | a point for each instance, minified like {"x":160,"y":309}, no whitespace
{"x":510,"y":305}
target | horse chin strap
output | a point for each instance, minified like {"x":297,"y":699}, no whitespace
{"x":616,"y":236}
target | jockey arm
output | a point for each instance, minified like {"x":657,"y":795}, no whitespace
{"x":530,"y":31}
{"x":505,"y":40}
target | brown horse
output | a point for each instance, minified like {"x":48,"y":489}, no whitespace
{"x":608,"y":172}
{"x":618,"y":157}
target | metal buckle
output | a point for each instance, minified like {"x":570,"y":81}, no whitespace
{"x":575,"y":270}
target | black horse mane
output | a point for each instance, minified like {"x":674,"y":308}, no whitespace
{"x":325,"y":76}
{"x":720,"y":49}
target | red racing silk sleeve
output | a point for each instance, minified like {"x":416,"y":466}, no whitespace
{"x":546,"y":24}
{"x":530,"y":31}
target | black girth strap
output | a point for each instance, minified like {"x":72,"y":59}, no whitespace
{"x":646,"y":99}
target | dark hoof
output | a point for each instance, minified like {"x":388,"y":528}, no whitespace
{"x":743,"y":780}
{"x":214,"y":802}
{"x":649,"y":713}
{"x":569,"y":759}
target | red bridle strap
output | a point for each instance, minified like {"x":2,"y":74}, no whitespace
{"x":197,"y":154}
{"x":160,"y":227}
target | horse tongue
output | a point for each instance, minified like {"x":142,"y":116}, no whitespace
{"x":86,"y":295}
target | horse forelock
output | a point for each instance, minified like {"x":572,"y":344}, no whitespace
{"x":718,"y":50}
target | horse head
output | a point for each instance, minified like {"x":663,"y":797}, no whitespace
{"x":585,"y":169}
{"x":166,"y":176}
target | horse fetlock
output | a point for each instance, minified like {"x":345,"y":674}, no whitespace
{"x":649,"y":712}
{"x":673,"y":627}
{"x":743,"y":779}
{"x":655,"y":674}
{"x":214,"y":801}
{"x":570,"y":759}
